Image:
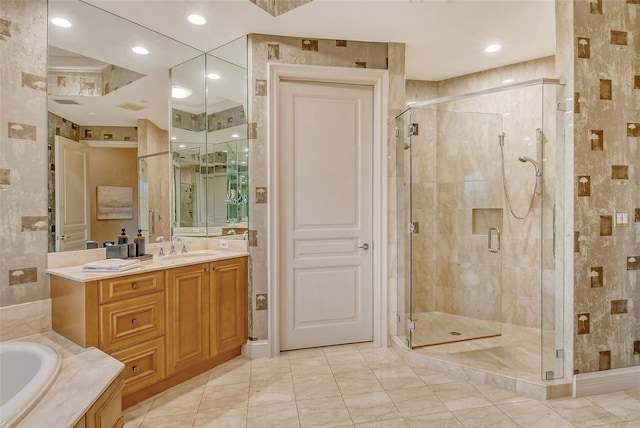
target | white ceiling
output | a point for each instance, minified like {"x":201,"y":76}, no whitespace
{"x":443,"y":38}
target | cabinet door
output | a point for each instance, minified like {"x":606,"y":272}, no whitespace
{"x":187,"y":336}
{"x":229,"y":304}
{"x":106,"y":412}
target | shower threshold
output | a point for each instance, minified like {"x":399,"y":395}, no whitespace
{"x":511,"y":361}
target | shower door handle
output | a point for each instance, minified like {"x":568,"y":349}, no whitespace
{"x":490,"y":238}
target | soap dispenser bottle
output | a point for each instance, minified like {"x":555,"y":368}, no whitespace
{"x":123,"y":238}
{"x":139,"y":240}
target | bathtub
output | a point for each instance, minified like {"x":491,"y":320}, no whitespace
{"x":27,"y":370}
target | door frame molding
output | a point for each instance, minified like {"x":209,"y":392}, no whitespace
{"x":379,"y":81}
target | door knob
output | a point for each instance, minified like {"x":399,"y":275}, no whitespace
{"x":364,"y":246}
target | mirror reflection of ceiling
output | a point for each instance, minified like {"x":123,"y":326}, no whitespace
{"x":76,"y":75}
{"x":278,"y":7}
{"x":103,"y":38}
{"x":444,"y":38}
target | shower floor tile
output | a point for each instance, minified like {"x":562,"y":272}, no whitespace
{"x":435,"y":328}
{"x":514,"y":352}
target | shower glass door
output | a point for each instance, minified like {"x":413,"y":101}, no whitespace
{"x":456,"y":244}
{"x":403,"y":192}
{"x":480,"y":237}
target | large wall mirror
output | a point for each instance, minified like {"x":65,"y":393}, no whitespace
{"x":209,"y":143}
{"x":110,"y":146}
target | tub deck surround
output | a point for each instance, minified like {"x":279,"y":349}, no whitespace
{"x":78,"y":385}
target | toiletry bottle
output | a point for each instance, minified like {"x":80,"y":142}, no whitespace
{"x":123,"y":238}
{"x":139,"y":240}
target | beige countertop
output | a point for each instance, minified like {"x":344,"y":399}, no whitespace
{"x":75,"y":273}
{"x":84,"y":375}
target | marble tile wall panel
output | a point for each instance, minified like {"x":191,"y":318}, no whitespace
{"x":23,"y":144}
{"x":292,"y":50}
{"x":607,"y":50}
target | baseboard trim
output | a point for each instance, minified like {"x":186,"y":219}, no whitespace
{"x":606,"y":381}
{"x":256,"y":349}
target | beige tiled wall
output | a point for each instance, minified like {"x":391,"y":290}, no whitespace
{"x":264,"y":49}
{"x":23,"y":148}
{"x":607,"y":182}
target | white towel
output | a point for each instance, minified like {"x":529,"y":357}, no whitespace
{"x":110,"y":265}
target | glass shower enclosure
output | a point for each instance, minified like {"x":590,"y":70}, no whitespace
{"x":479,"y":189}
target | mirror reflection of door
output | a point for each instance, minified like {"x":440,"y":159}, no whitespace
{"x":71,"y":194}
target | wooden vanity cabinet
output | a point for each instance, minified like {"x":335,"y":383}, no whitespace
{"x":187,"y":301}
{"x":229,"y":294}
{"x":165,"y":326}
{"x":122,"y":316}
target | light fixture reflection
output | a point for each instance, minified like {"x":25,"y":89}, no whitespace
{"x":61,"y":22}
{"x":492,"y":48}
{"x":213,"y":76}
{"x":197,"y":19}
{"x":180,"y":92}
{"x":140,"y":50}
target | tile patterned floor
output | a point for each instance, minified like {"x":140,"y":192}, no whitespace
{"x":360,"y":386}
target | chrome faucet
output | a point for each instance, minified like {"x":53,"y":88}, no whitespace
{"x":174,"y":239}
{"x":161,"y":252}
{"x":232,"y":232}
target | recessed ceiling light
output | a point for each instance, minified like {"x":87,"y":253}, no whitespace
{"x":61,"y":22}
{"x":507,"y":81}
{"x":180,"y":92}
{"x":182,"y":146}
{"x":92,"y":113}
{"x":140,"y":50}
{"x":235,"y":136}
{"x":213,"y":76}
{"x":197,"y":19}
{"x":492,"y":48}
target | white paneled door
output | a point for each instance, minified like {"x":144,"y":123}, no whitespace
{"x":325,"y":213}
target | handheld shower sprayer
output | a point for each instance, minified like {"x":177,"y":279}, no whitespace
{"x":525,"y":159}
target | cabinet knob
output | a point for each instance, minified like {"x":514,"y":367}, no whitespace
{"x":135,"y":286}
{"x":206,"y":269}
{"x":135,"y":369}
{"x":215,"y":268}
{"x":134,"y":321}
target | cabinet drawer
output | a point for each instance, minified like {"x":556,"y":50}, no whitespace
{"x":131,"y":321}
{"x":144,"y":364}
{"x":129,"y":286}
